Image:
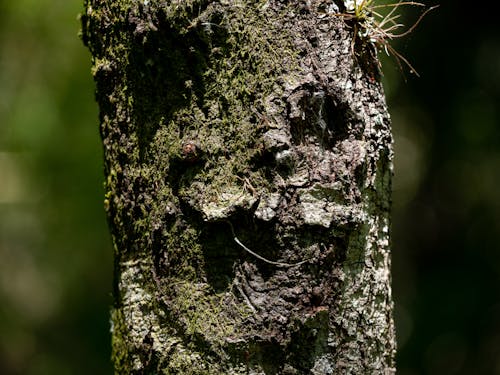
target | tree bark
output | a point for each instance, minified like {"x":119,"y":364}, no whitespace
{"x":248,"y":166}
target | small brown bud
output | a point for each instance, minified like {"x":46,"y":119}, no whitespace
{"x":317,"y":296}
{"x":190,"y":151}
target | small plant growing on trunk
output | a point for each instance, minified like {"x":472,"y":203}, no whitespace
{"x":371,"y":28}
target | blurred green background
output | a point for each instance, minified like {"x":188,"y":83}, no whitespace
{"x":55,"y":252}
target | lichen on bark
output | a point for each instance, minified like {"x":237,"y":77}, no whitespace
{"x":233,"y":124}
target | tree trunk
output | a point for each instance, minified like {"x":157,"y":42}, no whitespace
{"x":248,"y":167}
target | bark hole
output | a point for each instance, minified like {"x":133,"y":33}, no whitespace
{"x":220,"y":254}
{"x":318,"y":118}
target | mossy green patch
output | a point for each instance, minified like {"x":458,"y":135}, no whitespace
{"x":168,"y":73}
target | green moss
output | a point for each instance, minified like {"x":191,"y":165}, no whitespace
{"x":154,"y":94}
{"x":183,"y":255}
{"x":120,"y":347}
{"x":201,"y":312}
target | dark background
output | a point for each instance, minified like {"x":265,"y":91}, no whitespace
{"x":55,"y":252}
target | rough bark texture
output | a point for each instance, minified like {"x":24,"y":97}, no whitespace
{"x":231,"y":124}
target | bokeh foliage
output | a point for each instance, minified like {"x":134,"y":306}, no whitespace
{"x":446,"y":220}
{"x":55,"y":252}
{"x":55,"y":256}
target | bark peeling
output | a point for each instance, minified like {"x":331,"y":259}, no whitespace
{"x":246,"y":119}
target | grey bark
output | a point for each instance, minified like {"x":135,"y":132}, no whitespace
{"x":248,"y":167}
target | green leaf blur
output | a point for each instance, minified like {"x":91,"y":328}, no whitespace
{"x":446,"y":212}
{"x":55,"y":252}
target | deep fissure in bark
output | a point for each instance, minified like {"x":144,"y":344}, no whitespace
{"x":231,"y":128}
